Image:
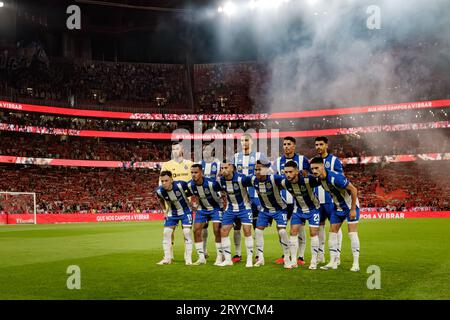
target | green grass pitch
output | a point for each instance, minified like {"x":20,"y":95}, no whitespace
{"x":118,"y":261}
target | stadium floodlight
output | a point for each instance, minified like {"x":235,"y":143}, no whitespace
{"x":312,"y":2}
{"x":229,"y":8}
{"x":2,"y":4}
{"x":19,"y":201}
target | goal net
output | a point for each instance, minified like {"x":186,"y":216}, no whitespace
{"x":17,"y":207}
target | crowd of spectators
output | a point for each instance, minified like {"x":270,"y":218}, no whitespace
{"x":82,"y":190}
{"x":423,"y":185}
{"x":78,"y":148}
{"x":79,"y":83}
{"x":343,"y":146}
{"x":366,"y":120}
{"x":230,"y":87}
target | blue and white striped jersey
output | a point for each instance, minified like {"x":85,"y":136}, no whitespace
{"x":269,"y":193}
{"x":210,"y":169}
{"x":236,"y":190}
{"x":207,"y":193}
{"x":303,"y":164}
{"x":303,"y":193}
{"x":176,"y":199}
{"x":246,"y":164}
{"x":331,"y":163}
{"x":335,"y":184}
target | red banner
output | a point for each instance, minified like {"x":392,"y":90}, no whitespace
{"x":120,"y":217}
{"x":316,"y":112}
{"x":404,"y":215}
{"x":209,"y":135}
{"x":80,"y":217}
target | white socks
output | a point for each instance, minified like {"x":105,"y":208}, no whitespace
{"x":237,"y":242}
{"x":199,"y":249}
{"x":332,"y":244}
{"x":322,"y":239}
{"x":314,"y":248}
{"x":339,"y":245}
{"x":226,"y":248}
{"x":205,"y":240}
{"x":301,"y":242}
{"x":284,"y":240}
{"x":354,"y":240}
{"x":259,"y":239}
{"x":188,"y":245}
{"x":219,"y":251}
{"x":293,"y":246}
{"x":249,"y":246}
{"x":167,"y":243}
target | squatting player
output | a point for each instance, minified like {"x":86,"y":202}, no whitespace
{"x":345,"y":198}
{"x":273,"y":206}
{"x":245,"y":162}
{"x":174,"y":202}
{"x":306,"y":208}
{"x":326,"y":203}
{"x":209,"y":208}
{"x":238,"y":207}
{"x":289,"y":145}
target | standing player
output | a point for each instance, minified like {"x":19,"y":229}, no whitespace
{"x":179,"y":167}
{"x":174,"y":202}
{"x":306,"y":208}
{"x":345,"y":198}
{"x":238,"y":207}
{"x":209,"y":208}
{"x":268,"y":189}
{"x":211,"y":169}
{"x":326,"y":203}
{"x":289,"y":145}
{"x":245,"y":162}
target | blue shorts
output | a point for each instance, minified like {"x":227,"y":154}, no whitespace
{"x":186,"y":220}
{"x":265,"y":218}
{"x":229,"y":217}
{"x":256,"y":207}
{"x":341,"y":216}
{"x":203,"y":216}
{"x":313,"y":218}
{"x":290,"y":210}
{"x":326,"y":210}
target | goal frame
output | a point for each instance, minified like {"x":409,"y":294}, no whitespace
{"x":25,"y":193}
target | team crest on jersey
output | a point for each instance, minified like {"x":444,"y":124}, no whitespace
{"x":268,"y":185}
{"x":327,"y":165}
{"x":178,"y":193}
{"x":239,"y":168}
{"x":213,"y":167}
{"x":185,"y":167}
{"x":207,"y":191}
{"x":252,"y":159}
{"x":235,"y":186}
{"x":303,"y":188}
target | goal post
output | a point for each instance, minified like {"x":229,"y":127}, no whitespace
{"x":18,"y":207}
